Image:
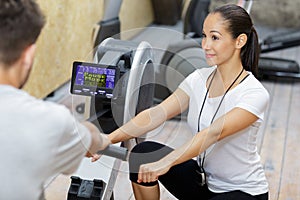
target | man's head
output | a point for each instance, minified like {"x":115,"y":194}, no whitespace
{"x":21,"y":22}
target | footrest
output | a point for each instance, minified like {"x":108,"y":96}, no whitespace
{"x":85,"y":189}
{"x":277,"y":65}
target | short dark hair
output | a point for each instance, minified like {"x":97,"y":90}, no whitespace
{"x":239,"y":21}
{"x":21,"y":22}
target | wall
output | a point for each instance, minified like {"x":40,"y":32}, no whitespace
{"x":67,"y":36}
{"x":135,"y":14}
{"x":272,"y":13}
{"x":277,"y":13}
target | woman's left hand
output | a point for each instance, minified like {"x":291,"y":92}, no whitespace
{"x":151,"y":171}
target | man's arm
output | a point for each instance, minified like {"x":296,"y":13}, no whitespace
{"x":99,"y":140}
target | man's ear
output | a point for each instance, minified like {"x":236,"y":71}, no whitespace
{"x":28,"y":55}
{"x":241,"y":40}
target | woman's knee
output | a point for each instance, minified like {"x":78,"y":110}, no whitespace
{"x":148,"y":151}
{"x":145,"y":152}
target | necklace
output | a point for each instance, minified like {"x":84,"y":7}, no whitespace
{"x":201,"y":161}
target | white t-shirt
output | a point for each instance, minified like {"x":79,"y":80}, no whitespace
{"x":232,"y":163}
{"x":38,"y":140}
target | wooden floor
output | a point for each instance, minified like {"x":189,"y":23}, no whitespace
{"x":280,"y":138}
{"x":278,"y":141}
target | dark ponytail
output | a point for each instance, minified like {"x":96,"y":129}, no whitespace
{"x":239,"y":21}
{"x":250,"y":53}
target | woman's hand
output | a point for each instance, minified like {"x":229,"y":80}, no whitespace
{"x":151,"y":171}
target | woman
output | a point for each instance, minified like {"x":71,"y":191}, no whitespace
{"x":226,"y":107}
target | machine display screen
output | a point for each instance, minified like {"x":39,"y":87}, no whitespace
{"x":90,"y":79}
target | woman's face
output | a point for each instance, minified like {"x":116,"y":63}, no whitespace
{"x":218,"y":44}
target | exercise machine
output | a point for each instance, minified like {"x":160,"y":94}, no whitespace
{"x":119,"y":84}
{"x":183,"y":57}
{"x":109,"y":25}
{"x":279,"y":67}
{"x":179,"y":60}
{"x":194,"y":18}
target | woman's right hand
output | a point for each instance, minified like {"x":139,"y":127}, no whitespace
{"x":151,"y":171}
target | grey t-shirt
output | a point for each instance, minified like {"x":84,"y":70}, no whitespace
{"x":38,"y":140}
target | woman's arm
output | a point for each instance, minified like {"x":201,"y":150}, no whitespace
{"x":232,"y":122}
{"x":151,"y":118}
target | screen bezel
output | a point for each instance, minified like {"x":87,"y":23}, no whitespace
{"x":107,"y":92}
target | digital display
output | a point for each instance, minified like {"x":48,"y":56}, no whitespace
{"x":91,"y":79}
{"x":95,"y":77}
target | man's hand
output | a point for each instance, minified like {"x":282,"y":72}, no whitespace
{"x":105,"y":143}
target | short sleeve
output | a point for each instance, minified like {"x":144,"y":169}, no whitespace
{"x":185,"y":85}
{"x":73,"y":145}
{"x":254,"y":100}
{"x":194,"y":81}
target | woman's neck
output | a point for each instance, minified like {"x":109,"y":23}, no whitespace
{"x":228,"y":72}
{"x":225,"y":76}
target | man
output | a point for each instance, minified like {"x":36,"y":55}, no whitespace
{"x":38,"y":139}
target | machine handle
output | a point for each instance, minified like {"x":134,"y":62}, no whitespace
{"x":115,"y":151}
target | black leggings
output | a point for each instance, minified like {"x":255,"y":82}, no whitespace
{"x":183,"y":180}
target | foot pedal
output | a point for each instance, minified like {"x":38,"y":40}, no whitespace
{"x":277,"y":66}
{"x":85,"y":189}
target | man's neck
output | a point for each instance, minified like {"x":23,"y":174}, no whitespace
{"x":8,"y":76}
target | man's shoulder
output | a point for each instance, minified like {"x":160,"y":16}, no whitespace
{"x":19,"y":101}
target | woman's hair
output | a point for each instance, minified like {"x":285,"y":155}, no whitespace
{"x":21,"y":22}
{"x":239,"y":21}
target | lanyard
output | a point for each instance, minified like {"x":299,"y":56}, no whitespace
{"x":201,"y":161}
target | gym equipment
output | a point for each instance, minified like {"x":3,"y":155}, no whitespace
{"x":277,"y":67}
{"x":119,"y":84}
{"x":182,"y":58}
{"x":166,"y":12}
{"x":85,"y":189}
{"x":109,"y":26}
{"x":269,"y":66}
{"x":116,"y":152}
{"x":194,"y":18}
{"x":282,"y":41}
